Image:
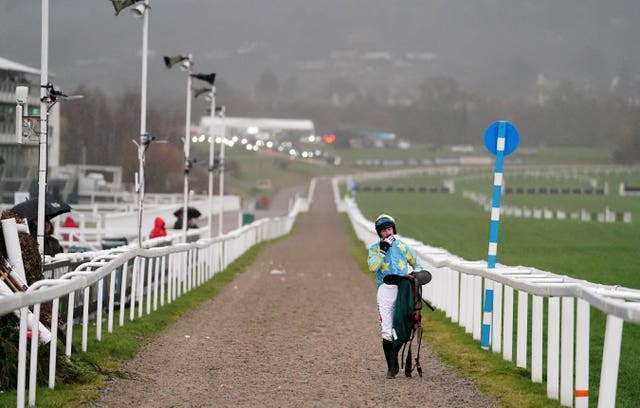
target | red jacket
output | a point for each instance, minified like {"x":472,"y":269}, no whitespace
{"x":158,"y":229}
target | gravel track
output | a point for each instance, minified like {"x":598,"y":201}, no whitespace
{"x":298,"y":328}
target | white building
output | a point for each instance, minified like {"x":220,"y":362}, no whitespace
{"x":19,"y":161}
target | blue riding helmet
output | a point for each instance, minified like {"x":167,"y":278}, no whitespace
{"x":385,"y":221}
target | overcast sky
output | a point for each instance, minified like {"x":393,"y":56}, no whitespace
{"x":480,"y":42}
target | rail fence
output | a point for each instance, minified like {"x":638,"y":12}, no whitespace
{"x":607,"y":215}
{"x":457,"y":289}
{"x":140,"y":279}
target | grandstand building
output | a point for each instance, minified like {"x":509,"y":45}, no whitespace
{"x":19,"y":161}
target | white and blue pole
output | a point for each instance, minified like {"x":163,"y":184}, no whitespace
{"x":501,"y":139}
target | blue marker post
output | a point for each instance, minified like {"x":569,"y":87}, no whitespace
{"x":501,"y":139}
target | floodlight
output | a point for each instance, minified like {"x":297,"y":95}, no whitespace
{"x":139,"y":10}
{"x":199,"y":91}
{"x":209,"y":78}
{"x":120,"y":5}
{"x":171,"y":61}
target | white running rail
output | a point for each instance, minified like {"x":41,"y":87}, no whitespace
{"x":457,"y":288}
{"x":143,"y":278}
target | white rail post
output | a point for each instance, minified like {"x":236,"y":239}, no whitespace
{"x":85,"y":318}
{"x":536,"y":339}
{"x":496,"y":329}
{"x":566,"y":352}
{"x":100,"y":302}
{"x":553,"y":348}
{"x":53,"y":343}
{"x":69,"y":339}
{"x":463,"y":300}
{"x":112,"y":293}
{"x":22,"y":357}
{"x":477,"y":307}
{"x":610,"y":362}
{"x":455,"y":299}
{"x":507,"y":349}
{"x":582,"y":355}
{"x":523,"y":324}
{"x":33,"y":365}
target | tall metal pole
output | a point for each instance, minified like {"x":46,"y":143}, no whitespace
{"x":143,"y":118}
{"x":501,"y":139}
{"x":212,"y":142}
{"x":221,"y":186}
{"x":187,"y":141}
{"x":42,"y":170}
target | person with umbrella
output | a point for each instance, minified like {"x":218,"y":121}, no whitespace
{"x":192,"y":213}
{"x":53,"y":207}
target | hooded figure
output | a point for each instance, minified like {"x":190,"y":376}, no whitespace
{"x":158,"y":229}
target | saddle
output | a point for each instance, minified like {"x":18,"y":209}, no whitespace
{"x":407,"y":319}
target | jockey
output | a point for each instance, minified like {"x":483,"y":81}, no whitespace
{"x":389,"y":256}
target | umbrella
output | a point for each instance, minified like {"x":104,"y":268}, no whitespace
{"x":52,"y":208}
{"x":191,"y":213}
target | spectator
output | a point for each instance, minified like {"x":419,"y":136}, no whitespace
{"x":69,"y":223}
{"x":51,"y":244}
{"x":158,"y":229}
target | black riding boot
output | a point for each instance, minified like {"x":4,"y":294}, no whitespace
{"x":392,"y":359}
{"x":396,"y":367}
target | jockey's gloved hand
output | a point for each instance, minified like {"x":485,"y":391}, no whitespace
{"x":384,"y":246}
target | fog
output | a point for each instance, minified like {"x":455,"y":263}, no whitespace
{"x":439,"y":71}
{"x":384,"y":47}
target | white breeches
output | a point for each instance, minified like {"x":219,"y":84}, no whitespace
{"x":386,"y":305}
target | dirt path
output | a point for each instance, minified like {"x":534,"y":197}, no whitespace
{"x":298,"y":328}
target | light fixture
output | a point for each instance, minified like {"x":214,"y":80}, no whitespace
{"x":55,"y":94}
{"x":199,"y":91}
{"x":171,"y":61}
{"x":120,"y":5}
{"x":208,"y":78}
{"x":139,"y":10}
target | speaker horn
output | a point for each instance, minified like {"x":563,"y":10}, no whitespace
{"x":199,"y":91}
{"x":209,"y":78}
{"x":171,"y":61}
{"x":120,"y":5}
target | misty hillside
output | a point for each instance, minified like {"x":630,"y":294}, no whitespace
{"x":383,"y":48}
{"x":484,"y":44}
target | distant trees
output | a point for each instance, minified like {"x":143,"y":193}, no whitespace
{"x":627,"y":150}
{"x":98,"y":129}
{"x":86,"y":128}
{"x":268,"y":87}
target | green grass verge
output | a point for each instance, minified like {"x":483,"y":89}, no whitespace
{"x":510,"y":385}
{"x":597,"y":252}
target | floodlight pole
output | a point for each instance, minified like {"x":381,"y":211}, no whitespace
{"x":212,"y":142}
{"x":187,"y":141}
{"x":221,"y":186}
{"x":143,"y":118}
{"x":42,"y":169}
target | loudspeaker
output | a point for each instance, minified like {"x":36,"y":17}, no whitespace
{"x":171,"y":61}
{"x":199,"y":91}
{"x":120,"y":5}
{"x":210,"y":78}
